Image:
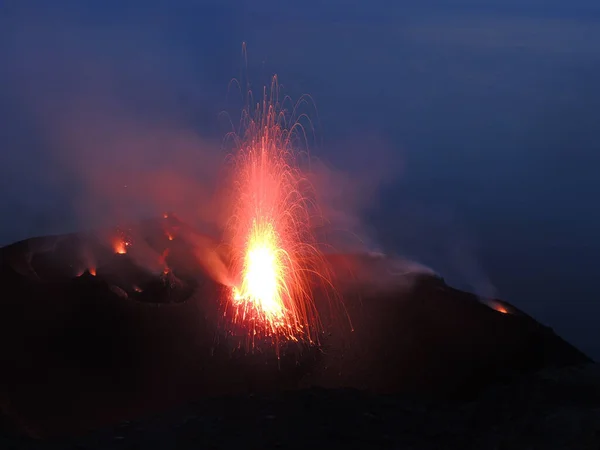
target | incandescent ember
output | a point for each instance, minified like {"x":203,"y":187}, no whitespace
{"x":275,"y":258}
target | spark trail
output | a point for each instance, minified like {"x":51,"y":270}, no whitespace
{"x":275,"y":259}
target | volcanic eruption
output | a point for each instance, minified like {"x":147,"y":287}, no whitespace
{"x":275,"y":259}
{"x":108,"y":325}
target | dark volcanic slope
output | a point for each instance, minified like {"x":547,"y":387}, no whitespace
{"x":558,"y":409}
{"x":79,"y":351}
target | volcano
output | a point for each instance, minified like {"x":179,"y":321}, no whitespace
{"x":96,"y":328}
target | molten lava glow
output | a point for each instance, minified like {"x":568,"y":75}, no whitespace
{"x":274,"y":259}
{"x":263,"y":274}
{"x":499,"y":307}
{"x":121,"y":243}
{"x":120,"y":247}
{"x":92,"y":271}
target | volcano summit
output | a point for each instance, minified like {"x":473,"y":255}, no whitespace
{"x":101,"y":327}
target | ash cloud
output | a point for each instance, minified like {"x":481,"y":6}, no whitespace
{"x":105,"y":125}
{"x":348,"y":187}
{"x":109,"y":128}
{"x":362,"y":217}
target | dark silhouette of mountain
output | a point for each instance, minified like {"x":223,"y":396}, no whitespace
{"x":97,"y":328}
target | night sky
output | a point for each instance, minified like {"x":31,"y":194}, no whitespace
{"x":471,"y":127}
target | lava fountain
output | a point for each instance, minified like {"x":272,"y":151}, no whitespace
{"x":275,"y":260}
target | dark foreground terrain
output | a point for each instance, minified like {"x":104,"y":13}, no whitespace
{"x":558,"y":409}
{"x":105,"y":328}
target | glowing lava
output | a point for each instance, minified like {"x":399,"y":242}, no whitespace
{"x":274,"y":258}
{"x":121,"y":243}
{"x":499,"y":307}
{"x":120,"y":247}
{"x":263,"y":275}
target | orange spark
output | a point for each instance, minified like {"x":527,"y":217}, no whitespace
{"x":121,"y":242}
{"x":274,"y":256}
{"x":120,"y":247}
{"x":92,"y":271}
{"x":499,"y":307}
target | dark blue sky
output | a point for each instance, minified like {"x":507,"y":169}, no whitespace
{"x":485,"y":115}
